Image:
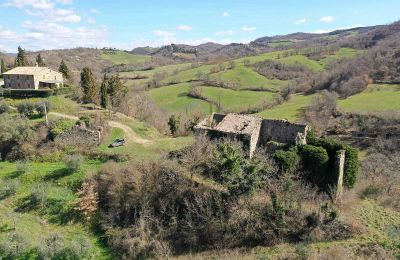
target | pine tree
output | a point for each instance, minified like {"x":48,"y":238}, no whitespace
{"x":3,"y":67}
{"x":64,"y":70}
{"x":116,"y":90}
{"x":89,"y":87}
{"x":40,"y":61}
{"x":104,"y":92}
{"x":20,"y":60}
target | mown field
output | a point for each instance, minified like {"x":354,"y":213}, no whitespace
{"x":123,"y":57}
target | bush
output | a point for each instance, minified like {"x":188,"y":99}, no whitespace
{"x":287,"y":160}
{"x":351,"y":163}
{"x":56,"y":246}
{"x":4,"y":108}
{"x":8,"y":188}
{"x":315,"y":159}
{"x":371,"y":191}
{"x":60,"y":126}
{"x":73,"y":163}
{"x":22,"y":166}
{"x":29,"y":109}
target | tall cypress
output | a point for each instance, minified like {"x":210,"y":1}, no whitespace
{"x":104,"y":92}
{"x":116,"y":90}
{"x":89,"y":87}
{"x":64,"y":70}
{"x":20,"y":60}
{"x":3,"y":67}
{"x":40,"y":61}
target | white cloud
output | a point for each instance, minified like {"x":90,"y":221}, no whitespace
{"x":184,"y":28}
{"x":91,"y":21}
{"x":248,"y":29}
{"x":65,"y":2}
{"x":94,"y":11}
{"x":225,"y":14}
{"x":36,"y":4}
{"x":161,"y":33}
{"x":327,"y":19}
{"x":225,"y":33}
{"x":300,"y":21}
{"x":66,"y":15}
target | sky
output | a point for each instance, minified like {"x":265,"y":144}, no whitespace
{"x":126,"y":24}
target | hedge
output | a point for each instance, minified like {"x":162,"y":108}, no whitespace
{"x":316,"y":159}
{"x":287,"y":160}
{"x":27,"y":93}
{"x":351,"y":164}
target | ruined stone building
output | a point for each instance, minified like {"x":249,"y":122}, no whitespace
{"x":32,"y":78}
{"x":251,"y":130}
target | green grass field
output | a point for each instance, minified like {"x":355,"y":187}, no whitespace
{"x":236,"y":100}
{"x":174,"y":99}
{"x":249,"y":79}
{"x":341,"y":54}
{"x":33,"y":224}
{"x":290,"y":110}
{"x":376,"y":98}
{"x":123,"y":57}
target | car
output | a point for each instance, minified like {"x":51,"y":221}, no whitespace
{"x":117,"y":142}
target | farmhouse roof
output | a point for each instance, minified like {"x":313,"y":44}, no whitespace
{"x":28,"y":71}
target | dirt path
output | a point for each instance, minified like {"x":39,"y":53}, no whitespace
{"x":130,"y":135}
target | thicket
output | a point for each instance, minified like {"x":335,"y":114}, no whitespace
{"x":155,"y":209}
{"x":351,"y":164}
{"x":60,"y":126}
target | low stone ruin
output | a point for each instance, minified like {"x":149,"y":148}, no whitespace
{"x":79,"y":136}
{"x":251,"y":130}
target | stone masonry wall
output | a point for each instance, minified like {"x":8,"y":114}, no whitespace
{"x":79,"y":136}
{"x":282,"y":131}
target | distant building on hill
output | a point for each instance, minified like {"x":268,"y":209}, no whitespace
{"x":252,"y":131}
{"x":32,"y":78}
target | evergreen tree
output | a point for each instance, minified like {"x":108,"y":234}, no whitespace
{"x":89,"y":87}
{"x":20,"y":60}
{"x":116,"y":90}
{"x":2,"y":67}
{"x":64,"y":70}
{"x":40,"y":61}
{"x":104,"y":92}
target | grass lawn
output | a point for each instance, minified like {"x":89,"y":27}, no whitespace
{"x":58,"y":103}
{"x":59,"y":186}
{"x":123,"y":57}
{"x":173,"y":98}
{"x":236,"y":100}
{"x":290,"y":110}
{"x":248,"y":78}
{"x":140,"y":152}
{"x":376,"y":98}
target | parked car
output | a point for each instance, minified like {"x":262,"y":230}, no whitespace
{"x":118,"y":142}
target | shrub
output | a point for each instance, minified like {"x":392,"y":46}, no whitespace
{"x":85,"y":120}
{"x":371,"y":191}
{"x":287,"y":160}
{"x":13,"y":245}
{"x":60,"y":126}
{"x":8,"y":188}
{"x":4,"y":108}
{"x":22,"y":166}
{"x":73,"y":163}
{"x":316,"y":160}
{"x":351,"y":164}
{"x":56,"y":246}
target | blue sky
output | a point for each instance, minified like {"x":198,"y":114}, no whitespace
{"x":52,"y":24}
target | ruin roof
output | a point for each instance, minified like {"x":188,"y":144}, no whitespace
{"x":240,"y":124}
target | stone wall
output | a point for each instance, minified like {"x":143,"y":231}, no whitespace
{"x":282,"y":131}
{"x":19,"y":82}
{"x":79,"y":136}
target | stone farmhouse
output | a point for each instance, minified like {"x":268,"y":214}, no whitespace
{"x":32,"y":78}
{"x":252,"y":131}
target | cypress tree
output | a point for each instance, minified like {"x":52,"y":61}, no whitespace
{"x":89,"y":87}
{"x":116,"y":90}
{"x":40,"y":61}
{"x":104,"y":92}
{"x":3,"y":67}
{"x":64,"y":70}
{"x":20,"y":60}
